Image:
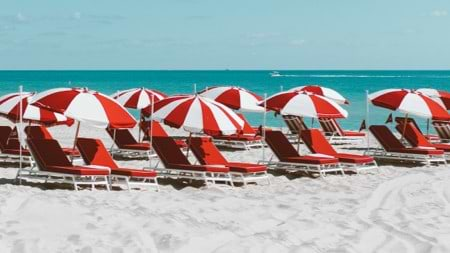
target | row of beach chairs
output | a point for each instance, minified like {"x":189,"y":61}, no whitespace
{"x":51,"y":162}
{"x":330,"y":128}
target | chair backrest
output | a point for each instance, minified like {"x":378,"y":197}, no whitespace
{"x":412,"y":134}
{"x":331,"y":126}
{"x":247,"y":128}
{"x":401,"y":120}
{"x":47,"y":153}
{"x":385,"y":137}
{"x":155,"y":127}
{"x":94,"y":152}
{"x":121,"y":137}
{"x":295,"y":123}
{"x":38,"y":132}
{"x":5,"y":132}
{"x":316,"y":142}
{"x":13,"y":140}
{"x":168,"y":151}
{"x":442,"y":129}
{"x":280,"y":145}
{"x":205,"y":151}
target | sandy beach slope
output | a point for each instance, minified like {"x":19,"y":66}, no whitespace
{"x":398,"y":209}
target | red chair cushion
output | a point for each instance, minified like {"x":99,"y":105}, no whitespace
{"x":204,"y":168}
{"x":353,"y":134}
{"x":77,"y":170}
{"x":238,"y":137}
{"x":25,"y":152}
{"x":351,"y":158}
{"x":137,"y":146}
{"x":419,"y":151}
{"x":134,"y":172}
{"x":246,"y":167}
{"x":311,"y":160}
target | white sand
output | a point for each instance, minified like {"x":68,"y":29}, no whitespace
{"x":396,"y":210}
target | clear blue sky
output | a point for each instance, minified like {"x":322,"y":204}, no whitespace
{"x":234,"y":34}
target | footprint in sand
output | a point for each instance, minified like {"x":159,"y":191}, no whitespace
{"x":91,"y":226}
{"x":75,"y":239}
{"x":385,"y":202}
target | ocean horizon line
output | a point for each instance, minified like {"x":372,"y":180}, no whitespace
{"x":215,"y":70}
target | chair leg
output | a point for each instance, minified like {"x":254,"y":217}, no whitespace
{"x":231,"y":180}
{"x":92,"y":185}
{"x":74,"y":183}
{"x":107,"y":183}
{"x":157,"y":185}
{"x":127,"y":181}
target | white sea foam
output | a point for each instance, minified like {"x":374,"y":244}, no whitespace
{"x":365,"y":76}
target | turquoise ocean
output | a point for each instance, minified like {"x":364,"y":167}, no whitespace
{"x":351,"y":84}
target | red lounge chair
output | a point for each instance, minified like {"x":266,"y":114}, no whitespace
{"x":41,"y":132}
{"x":318,"y":144}
{"x":418,"y":140}
{"x":336,"y":134}
{"x":401,"y":120}
{"x":442,"y":129}
{"x":208,"y":154}
{"x":177,"y":165}
{"x":393,"y":149}
{"x":157,"y":130}
{"x":95,"y":153}
{"x":127,"y":145}
{"x":10,"y":147}
{"x":289,"y":159}
{"x":295,"y":124}
{"x":53,"y":165}
{"x":247,"y":139}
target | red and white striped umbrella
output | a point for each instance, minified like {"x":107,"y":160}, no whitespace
{"x":197,"y":114}
{"x":234,"y":97}
{"x":304,"y":104}
{"x":138,"y":98}
{"x":438,"y":95}
{"x":10,"y":108}
{"x":323,"y":91}
{"x":409,"y":102}
{"x":85,"y":106}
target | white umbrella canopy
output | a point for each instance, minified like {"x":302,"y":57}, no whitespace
{"x":236,"y":98}
{"x":323,"y":91}
{"x":138,"y":98}
{"x":197,"y":114}
{"x":10,"y":108}
{"x":409,"y":102}
{"x":439,"y":96}
{"x":304,"y":104}
{"x":86,"y":106}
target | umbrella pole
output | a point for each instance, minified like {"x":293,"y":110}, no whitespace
{"x":111,"y":150}
{"x":298,"y":140}
{"x":151,"y":129}
{"x":19,"y":132}
{"x":189,"y":145}
{"x":428,"y":128}
{"x":139,"y":126}
{"x":75,"y":140}
{"x":263,"y":130}
{"x":367,"y":120}
{"x":404,"y":126}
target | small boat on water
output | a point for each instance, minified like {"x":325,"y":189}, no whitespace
{"x":275,"y":74}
